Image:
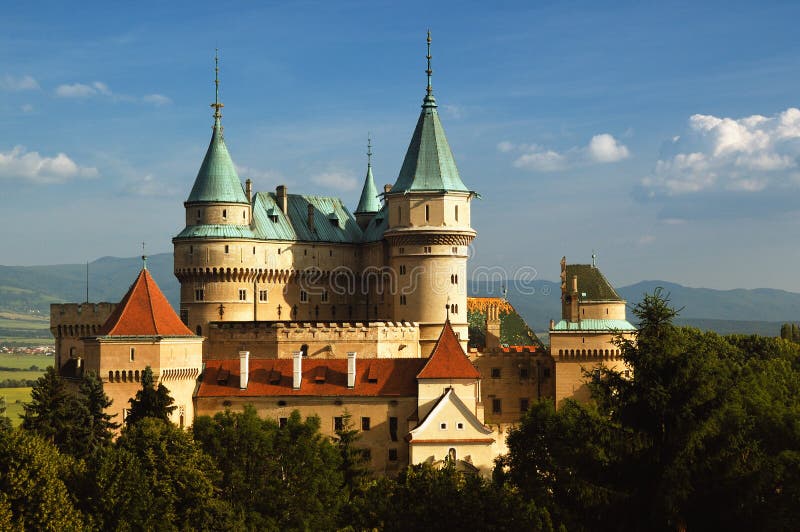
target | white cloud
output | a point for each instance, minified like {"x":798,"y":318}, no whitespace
{"x":156,"y":99}
{"x":603,"y":148}
{"x":30,"y":166}
{"x":337,"y":180}
{"x":26,"y":108}
{"x":75,"y":90}
{"x":453,"y":111}
{"x":747,"y":154}
{"x":148,"y":186}
{"x":24,"y":83}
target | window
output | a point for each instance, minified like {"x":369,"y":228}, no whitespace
{"x":524,"y":404}
{"x":338,"y":423}
{"x":443,"y":426}
{"x":523,"y":373}
{"x":495,"y":373}
{"x":497,"y":406}
{"x":456,"y":212}
{"x":402,"y":269}
{"x":198,"y":214}
{"x":191,"y":250}
{"x":324,"y":296}
{"x":226,"y":248}
{"x":133,"y":354}
{"x":303,"y":296}
{"x":460,"y":426}
{"x":242,"y":294}
{"x":282,"y":422}
{"x":403,"y":299}
{"x":393,"y":431}
{"x":199,"y":331}
{"x":254,"y":250}
{"x":263,"y":295}
{"x":244,"y":216}
{"x":426,"y":249}
{"x":427,"y":213}
{"x":402,"y":251}
{"x":199,"y":294}
{"x":546,"y":373}
{"x":224,"y":214}
{"x":393,"y":455}
{"x":454,"y":250}
{"x":364,"y":423}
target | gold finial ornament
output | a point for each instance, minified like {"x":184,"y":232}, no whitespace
{"x":217,"y":105}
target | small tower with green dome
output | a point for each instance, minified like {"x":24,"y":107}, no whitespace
{"x":368,"y":203}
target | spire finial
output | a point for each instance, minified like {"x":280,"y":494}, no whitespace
{"x":429,"y":71}
{"x":594,"y":259}
{"x":217,"y":105}
{"x":369,"y":150}
{"x":144,"y":258}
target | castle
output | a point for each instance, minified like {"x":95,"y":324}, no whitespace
{"x":292,"y":302}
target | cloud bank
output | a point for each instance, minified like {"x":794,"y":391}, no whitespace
{"x":13,"y":83}
{"x":601,"y":149}
{"x":30,"y":166}
{"x":98,"y":88}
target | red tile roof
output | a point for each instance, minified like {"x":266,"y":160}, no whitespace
{"x":448,"y":360}
{"x":144,"y":311}
{"x":273,"y":377}
{"x":519,"y":349}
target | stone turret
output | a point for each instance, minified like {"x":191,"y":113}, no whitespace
{"x":429,"y":230}
{"x":368,"y":203}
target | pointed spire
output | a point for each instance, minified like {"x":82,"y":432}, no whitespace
{"x":217,"y":180}
{"x":144,"y":258}
{"x":429,"y":164}
{"x":429,"y":101}
{"x":368,"y":203}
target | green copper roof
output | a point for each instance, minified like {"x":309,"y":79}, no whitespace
{"x":592,"y":284}
{"x":377,"y":226}
{"x":217,"y":180}
{"x":217,"y":231}
{"x":429,"y":163}
{"x":332,"y":222}
{"x":369,"y":195}
{"x":594,"y":325}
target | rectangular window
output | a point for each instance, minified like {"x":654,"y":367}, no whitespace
{"x":393,"y":428}
{"x":402,"y":251}
{"x":227,"y":248}
{"x":497,"y":406}
{"x":523,"y":373}
{"x":442,"y":426}
{"x":456,"y":212}
{"x":199,"y":294}
{"x":403,"y":300}
{"x":191,"y":250}
{"x":303,"y":296}
{"x":338,"y":423}
{"x":460,"y":426}
{"x":393,"y":455}
{"x":242,"y":294}
{"x":426,"y":249}
{"x":282,"y":422}
{"x":364,"y":423}
{"x":402,"y":269}
{"x":495,"y":373}
{"x":427,"y":213}
{"x":546,"y":373}
{"x":324,"y":296}
{"x":263,"y":295}
{"x":133,"y":354}
{"x":524,"y":404}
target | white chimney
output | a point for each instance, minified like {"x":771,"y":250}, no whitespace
{"x":351,"y":369}
{"x":244,"y":368}
{"x":297,"y":374}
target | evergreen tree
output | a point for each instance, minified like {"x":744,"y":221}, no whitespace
{"x":5,"y":422}
{"x":150,"y":401}
{"x":100,"y":425}
{"x":353,"y":464}
{"x":786,"y":331}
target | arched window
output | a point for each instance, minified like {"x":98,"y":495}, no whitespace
{"x":451,"y":454}
{"x":224,"y":213}
{"x":110,"y":376}
{"x":136,"y":375}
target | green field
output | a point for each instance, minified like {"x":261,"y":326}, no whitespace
{"x":14,"y":399}
{"x":9,"y":360}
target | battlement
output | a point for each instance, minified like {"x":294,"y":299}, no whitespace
{"x":268,"y":339}
{"x":80,"y":313}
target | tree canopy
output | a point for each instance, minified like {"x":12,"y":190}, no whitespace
{"x":150,"y":401}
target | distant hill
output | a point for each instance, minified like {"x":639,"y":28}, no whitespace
{"x":31,"y":289}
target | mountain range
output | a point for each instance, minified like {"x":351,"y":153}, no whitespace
{"x":31,"y":289}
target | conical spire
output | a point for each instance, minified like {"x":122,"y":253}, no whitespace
{"x":217,"y":180}
{"x":429,"y":164}
{"x":368,"y":203}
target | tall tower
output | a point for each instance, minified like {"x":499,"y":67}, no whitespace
{"x":209,"y":252}
{"x":429,"y":230}
{"x":368,"y":203}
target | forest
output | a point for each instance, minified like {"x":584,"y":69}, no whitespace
{"x":703,"y":433}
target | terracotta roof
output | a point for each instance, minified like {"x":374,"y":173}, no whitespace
{"x":448,"y":360}
{"x":273,"y":377}
{"x":144,"y":311}
{"x":519,"y":349}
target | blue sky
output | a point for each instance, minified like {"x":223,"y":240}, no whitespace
{"x":665,"y":136}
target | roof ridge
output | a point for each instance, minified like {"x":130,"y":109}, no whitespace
{"x":448,"y":359}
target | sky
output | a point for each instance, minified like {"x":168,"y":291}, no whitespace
{"x":665,"y":136}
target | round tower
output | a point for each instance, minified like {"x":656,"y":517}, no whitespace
{"x":429,"y":231}
{"x":210,"y":252}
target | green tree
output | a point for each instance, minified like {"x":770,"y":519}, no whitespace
{"x":150,"y":401}
{"x":157,"y":478}
{"x":99,"y":423}
{"x":5,"y":421}
{"x":353,"y":459}
{"x":280,"y":478}
{"x":33,"y":493}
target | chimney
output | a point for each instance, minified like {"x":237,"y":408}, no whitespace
{"x":351,"y":369}
{"x":248,"y":190}
{"x":244,"y":369}
{"x":387,"y":188}
{"x":280,"y":195}
{"x":297,"y":373}
{"x":492,"y":327}
{"x":310,"y":210}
